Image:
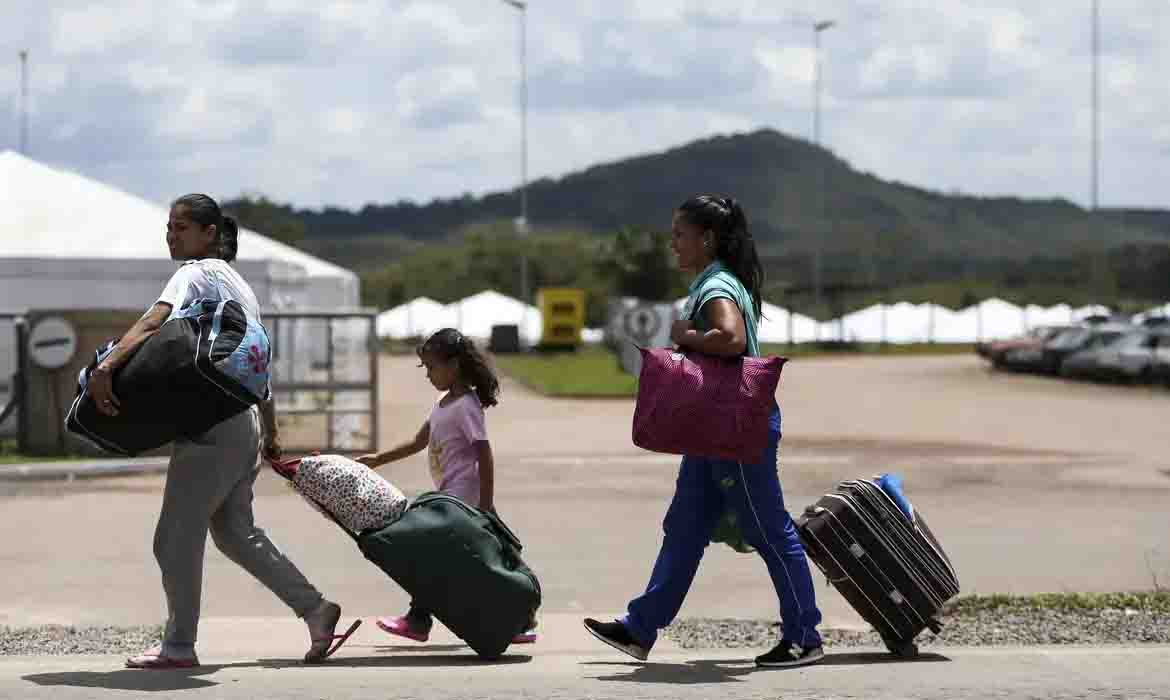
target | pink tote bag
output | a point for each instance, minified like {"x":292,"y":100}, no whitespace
{"x":696,"y":404}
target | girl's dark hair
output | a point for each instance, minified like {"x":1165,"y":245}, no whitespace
{"x":734,"y":245}
{"x":474,"y":370}
{"x":204,"y":211}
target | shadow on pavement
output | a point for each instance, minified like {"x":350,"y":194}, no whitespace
{"x":676,"y":674}
{"x":415,"y":649}
{"x":189,"y":679}
{"x":730,"y":670}
{"x":878,"y":657}
{"x":412,"y":661}
{"x":128,"y":679}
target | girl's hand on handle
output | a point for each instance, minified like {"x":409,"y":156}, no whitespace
{"x":679,"y":330}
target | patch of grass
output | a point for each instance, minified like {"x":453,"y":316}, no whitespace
{"x":589,"y":372}
{"x":9,"y":455}
{"x":594,"y":371}
{"x":1151,"y":601}
{"x":842,"y":349}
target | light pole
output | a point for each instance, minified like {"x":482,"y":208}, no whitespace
{"x":522,"y":220}
{"x":818,"y":27}
{"x":1095,"y":100}
{"x":24,"y":102}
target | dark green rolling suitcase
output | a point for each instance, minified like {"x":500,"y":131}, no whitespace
{"x":457,"y":561}
{"x":463,"y":565}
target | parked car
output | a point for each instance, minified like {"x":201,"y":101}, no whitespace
{"x":1048,"y":358}
{"x":1035,"y":338}
{"x":1132,"y":357}
{"x":1160,"y":368}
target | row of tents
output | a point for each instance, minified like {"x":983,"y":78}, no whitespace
{"x":991,"y":319}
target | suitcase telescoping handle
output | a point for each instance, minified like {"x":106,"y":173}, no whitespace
{"x":287,"y":468}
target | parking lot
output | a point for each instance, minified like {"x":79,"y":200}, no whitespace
{"x":1031,"y":485}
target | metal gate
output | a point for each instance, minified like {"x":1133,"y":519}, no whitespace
{"x":324,"y":369}
{"x":325,"y":379}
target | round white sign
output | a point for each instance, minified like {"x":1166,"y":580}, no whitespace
{"x":52,"y":343}
{"x":641,"y":324}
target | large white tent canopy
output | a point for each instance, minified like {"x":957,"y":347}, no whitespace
{"x":70,"y":242}
{"x":903,"y":322}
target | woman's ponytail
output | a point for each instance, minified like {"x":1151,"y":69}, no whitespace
{"x":229,"y":239}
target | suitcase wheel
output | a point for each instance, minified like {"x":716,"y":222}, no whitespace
{"x":902,"y":649}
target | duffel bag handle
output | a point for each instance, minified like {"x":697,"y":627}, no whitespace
{"x":503,"y":530}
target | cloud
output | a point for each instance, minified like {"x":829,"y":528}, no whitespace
{"x":352,"y":101}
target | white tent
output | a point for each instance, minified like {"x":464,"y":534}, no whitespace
{"x":893,"y":323}
{"x":1036,"y":316}
{"x":475,"y":316}
{"x":68,"y":242}
{"x":1156,"y":312}
{"x":1091,"y":310}
{"x":780,"y":324}
{"x":417,"y":318}
{"x":990,"y":319}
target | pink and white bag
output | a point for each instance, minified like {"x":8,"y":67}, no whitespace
{"x":696,"y":404}
{"x":355,"y":496}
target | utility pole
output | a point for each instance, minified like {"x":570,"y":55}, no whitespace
{"x":522,"y":220}
{"x":1095,"y":99}
{"x":818,"y":247}
{"x":24,"y":102}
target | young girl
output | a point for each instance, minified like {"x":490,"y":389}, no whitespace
{"x":456,"y":442}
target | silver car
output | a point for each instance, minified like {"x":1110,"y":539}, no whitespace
{"x":1134,"y":357}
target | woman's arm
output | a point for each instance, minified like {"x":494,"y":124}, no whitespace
{"x":101,"y":379}
{"x":487,"y":476}
{"x":406,"y":449}
{"x":727,"y":336}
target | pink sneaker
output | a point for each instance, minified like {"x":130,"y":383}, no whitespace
{"x":401,"y":626}
{"x":527,"y":637}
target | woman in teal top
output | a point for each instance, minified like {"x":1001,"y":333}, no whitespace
{"x":710,"y":239}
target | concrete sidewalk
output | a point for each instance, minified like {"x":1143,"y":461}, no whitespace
{"x":259,"y":657}
{"x":83,"y":469}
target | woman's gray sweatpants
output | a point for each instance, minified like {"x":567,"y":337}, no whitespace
{"x":209,"y":486}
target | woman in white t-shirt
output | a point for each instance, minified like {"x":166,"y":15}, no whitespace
{"x":210,"y":477}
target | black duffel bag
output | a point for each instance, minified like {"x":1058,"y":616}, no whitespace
{"x":206,"y":364}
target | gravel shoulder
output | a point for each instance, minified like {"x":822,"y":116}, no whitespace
{"x":977,"y":621}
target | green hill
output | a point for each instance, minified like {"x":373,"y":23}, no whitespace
{"x":777,"y":178}
{"x":877,"y":235}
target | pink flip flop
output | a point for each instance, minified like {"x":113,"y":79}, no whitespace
{"x":337,"y":639}
{"x":153,"y":660}
{"x":528,"y":637}
{"x":399,"y":626}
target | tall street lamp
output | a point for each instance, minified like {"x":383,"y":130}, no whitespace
{"x":522,"y":221}
{"x":818,"y":27}
{"x":1095,"y":99}
{"x":24,"y":102}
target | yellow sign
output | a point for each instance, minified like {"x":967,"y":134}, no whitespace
{"x":563,"y":312}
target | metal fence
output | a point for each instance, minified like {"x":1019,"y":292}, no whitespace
{"x":8,"y":369}
{"x":325,"y":379}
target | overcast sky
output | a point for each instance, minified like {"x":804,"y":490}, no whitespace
{"x":344,"y":103}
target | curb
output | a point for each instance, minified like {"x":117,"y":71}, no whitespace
{"x":57,"y":471}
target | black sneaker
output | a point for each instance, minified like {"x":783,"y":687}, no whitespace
{"x":617,"y":636}
{"x":789,"y":655}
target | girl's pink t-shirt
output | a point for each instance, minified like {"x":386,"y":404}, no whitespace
{"x":454,"y":460}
